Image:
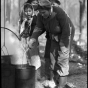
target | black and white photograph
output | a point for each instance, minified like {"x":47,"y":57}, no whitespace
{"x":43,"y":43}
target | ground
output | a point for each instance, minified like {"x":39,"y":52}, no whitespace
{"x":77,"y":76}
{"x":78,"y":72}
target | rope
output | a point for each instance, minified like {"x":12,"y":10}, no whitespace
{"x":12,"y":32}
{"x":5,"y":48}
{"x":3,"y":51}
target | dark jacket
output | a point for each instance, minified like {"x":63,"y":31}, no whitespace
{"x":58,"y":19}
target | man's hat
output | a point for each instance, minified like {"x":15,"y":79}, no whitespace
{"x":44,"y":3}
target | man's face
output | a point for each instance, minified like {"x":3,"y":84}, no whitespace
{"x":44,"y":13}
{"x":28,"y":12}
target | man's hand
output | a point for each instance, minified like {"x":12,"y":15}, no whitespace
{"x":64,"y":52}
{"x":31,"y":42}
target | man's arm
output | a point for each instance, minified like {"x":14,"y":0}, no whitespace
{"x":39,"y":28}
{"x":36,"y":33}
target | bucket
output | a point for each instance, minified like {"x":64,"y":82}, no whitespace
{"x":25,"y":77}
{"x":6,"y":59}
{"x":7,"y":73}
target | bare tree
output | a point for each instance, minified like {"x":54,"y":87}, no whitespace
{"x":82,"y":9}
